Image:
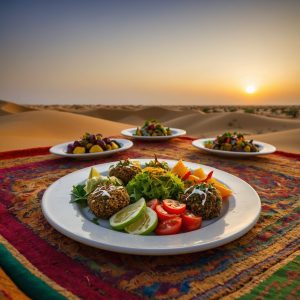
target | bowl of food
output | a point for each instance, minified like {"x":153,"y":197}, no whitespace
{"x":233,"y":144}
{"x":153,"y":130}
{"x":90,"y":146}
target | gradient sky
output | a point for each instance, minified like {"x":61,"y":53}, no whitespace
{"x":150,"y":52}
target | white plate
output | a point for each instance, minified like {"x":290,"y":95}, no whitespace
{"x":240,"y":213}
{"x":61,"y":150}
{"x":175,"y":133}
{"x":264,"y":148}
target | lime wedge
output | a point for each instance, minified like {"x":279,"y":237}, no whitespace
{"x":127,"y":215}
{"x":145,"y":224}
{"x":93,"y":173}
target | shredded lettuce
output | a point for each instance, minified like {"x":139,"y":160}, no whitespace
{"x":153,"y":185}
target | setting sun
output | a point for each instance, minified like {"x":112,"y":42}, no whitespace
{"x":250,"y":89}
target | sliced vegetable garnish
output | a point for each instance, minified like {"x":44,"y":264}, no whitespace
{"x":163,"y":214}
{"x":190,"y":221}
{"x":173,"y":206}
{"x":93,"y":173}
{"x":127,"y":215}
{"x":186,"y":176}
{"x":152,"y":203}
{"x":210,"y":174}
{"x":171,"y":226}
{"x":145,"y":224}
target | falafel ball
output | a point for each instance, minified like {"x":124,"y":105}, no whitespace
{"x":105,"y":201}
{"x":125,"y":170}
{"x":203,"y":200}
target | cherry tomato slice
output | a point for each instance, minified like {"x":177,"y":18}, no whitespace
{"x":171,"y":226}
{"x":163,"y":214}
{"x":190,"y":221}
{"x":152,"y":203}
{"x":173,"y":206}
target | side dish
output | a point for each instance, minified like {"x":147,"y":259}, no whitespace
{"x":92,"y":143}
{"x":232,"y":142}
{"x":153,"y":198}
{"x":153,"y":128}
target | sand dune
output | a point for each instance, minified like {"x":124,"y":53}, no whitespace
{"x":44,"y":128}
{"x":212,"y":124}
{"x":287,"y":140}
{"x":12,"y":108}
{"x":137,"y":117}
{"x":21,"y":128}
{"x":196,"y":123}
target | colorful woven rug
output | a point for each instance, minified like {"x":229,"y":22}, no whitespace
{"x":40,"y":263}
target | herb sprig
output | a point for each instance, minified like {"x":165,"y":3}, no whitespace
{"x":79,"y":195}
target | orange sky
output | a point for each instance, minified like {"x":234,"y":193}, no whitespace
{"x":159,"y":53}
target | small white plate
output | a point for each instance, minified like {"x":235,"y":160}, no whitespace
{"x":61,"y":150}
{"x":264,"y":149}
{"x":239,"y":214}
{"x":175,"y":133}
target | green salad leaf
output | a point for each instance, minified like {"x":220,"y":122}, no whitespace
{"x":152,"y":185}
{"x":79,"y":194}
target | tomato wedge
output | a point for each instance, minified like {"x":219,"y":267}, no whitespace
{"x":190,"y":221}
{"x":163,"y":214}
{"x":173,"y":206}
{"x":152,"y":203}
{"x":171,"y":226}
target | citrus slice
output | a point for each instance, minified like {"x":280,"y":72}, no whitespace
{"x":93,"y":173}
{"x":145,"y":224}
{"x":127,"y":215}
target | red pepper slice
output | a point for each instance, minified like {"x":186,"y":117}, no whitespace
{"x":209,"y":176}
{"x":186,"y":176}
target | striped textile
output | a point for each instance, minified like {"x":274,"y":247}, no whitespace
{"x":38,"y":262}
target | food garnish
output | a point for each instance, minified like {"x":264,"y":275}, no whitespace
{"x":92,"y":143}
{"x":79,"y":194}
{"x":158,"y":164}
{"x":154,"y":183}
{"x":232,"y":142}
{"x":145,"y":224}
{"x":128,"y":215}
{"x":170,"y":226}
{"x":162,"y":201}
{"x":153,"y":128}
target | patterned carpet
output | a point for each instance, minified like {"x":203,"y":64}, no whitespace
{"x":37,"y":260}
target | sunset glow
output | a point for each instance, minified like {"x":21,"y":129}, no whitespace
{"x":156,"y":52}
{"x":250,"y":89}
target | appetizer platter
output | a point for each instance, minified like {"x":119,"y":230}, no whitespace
{"x":151,"y":207}
{"x":234,"y":145}
{"x":152,"y":130}
{"x":90,"y":146}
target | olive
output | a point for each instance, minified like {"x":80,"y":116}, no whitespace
{"x":102,"y":144}
{"x":76,"y":144}
{"x":92,"y":139}
{"x":107,"y":140}
{"x":70,"y":148}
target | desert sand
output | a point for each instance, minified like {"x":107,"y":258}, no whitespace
{"x":25,"y":127}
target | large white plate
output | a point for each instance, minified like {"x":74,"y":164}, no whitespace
{"x":61,"y":150}
{"x":240,"y":213}
{"x":264,"y":149}
{"x":176,"y":132}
